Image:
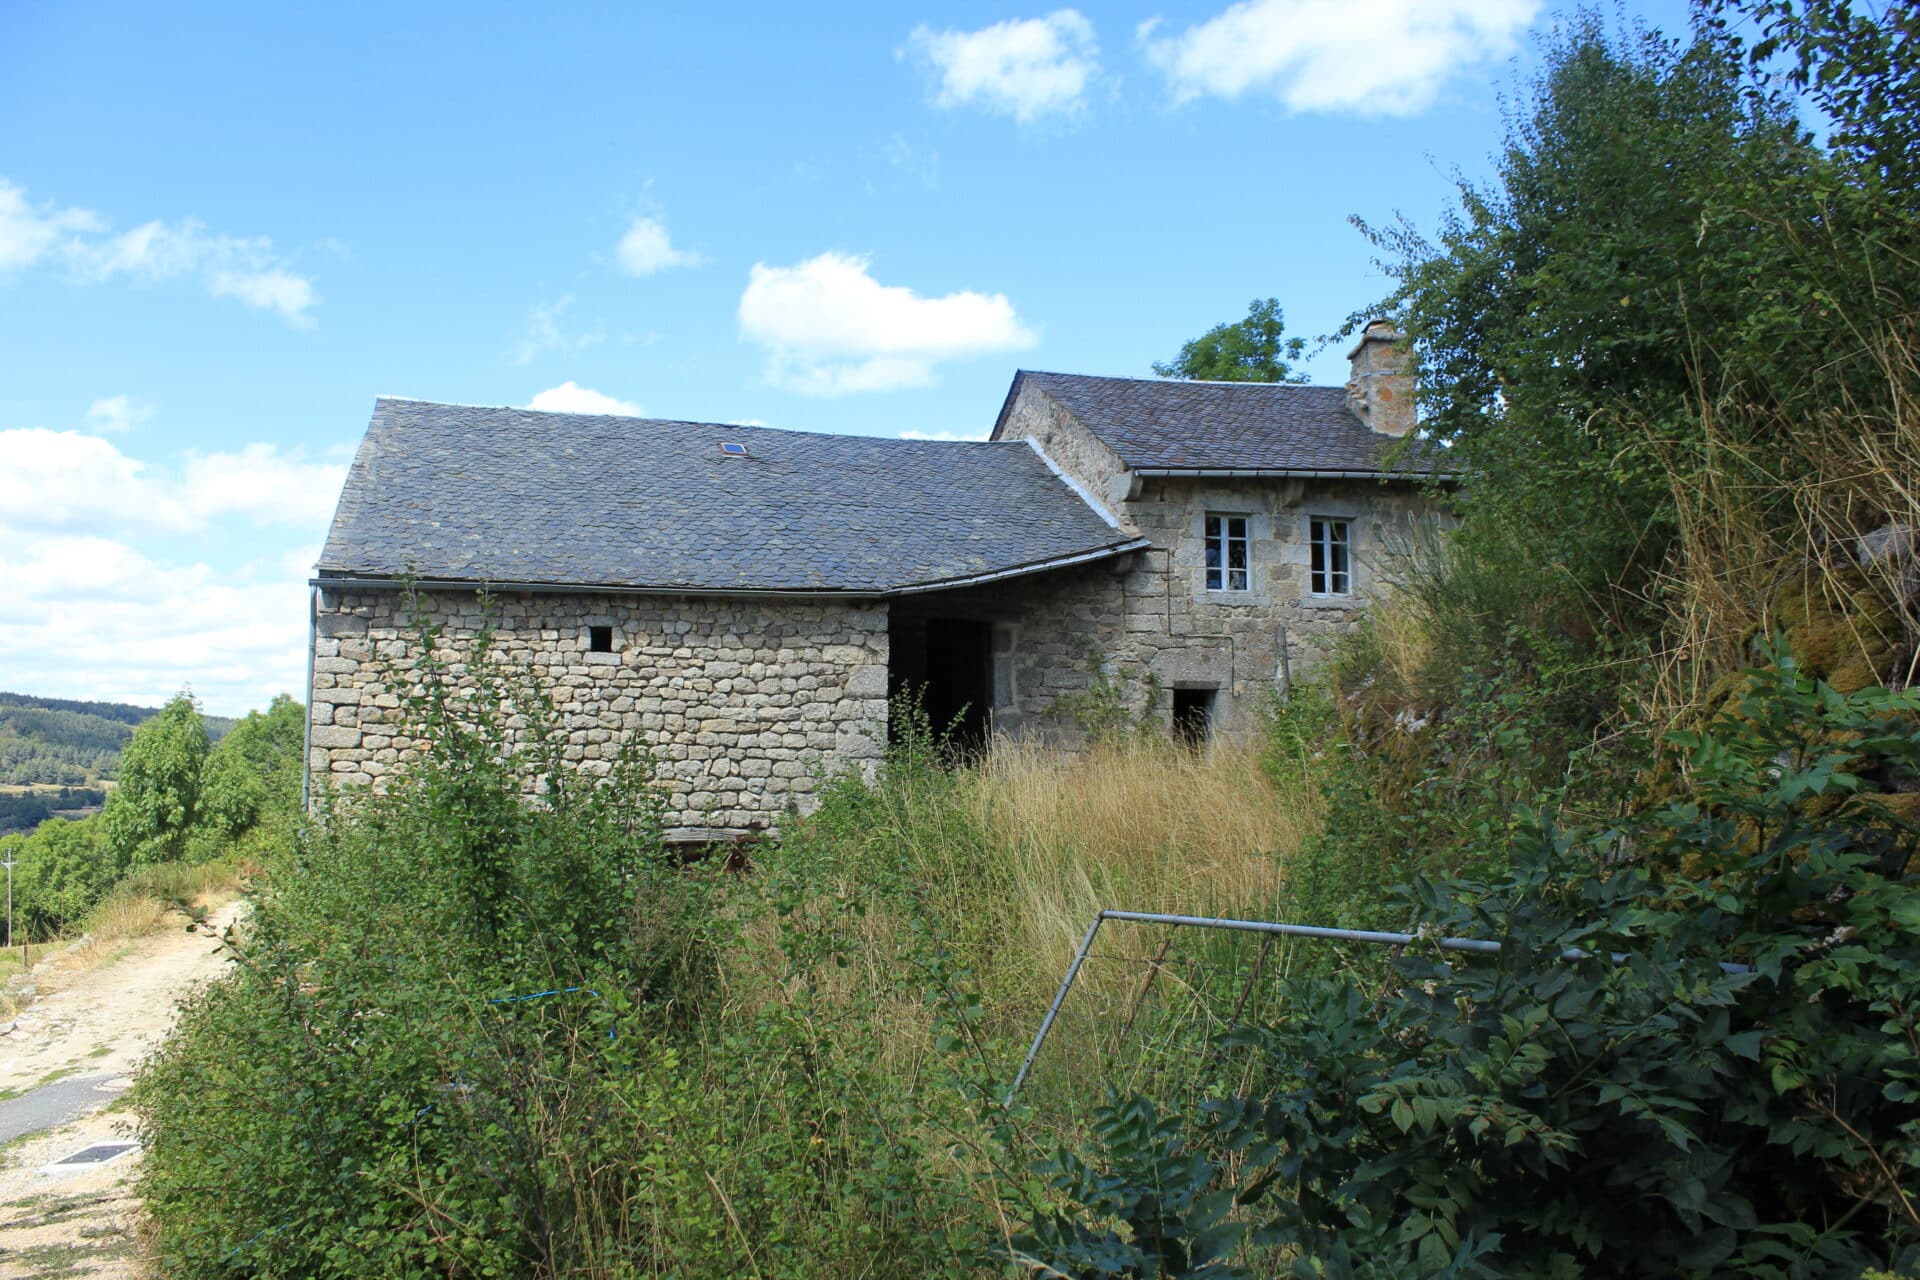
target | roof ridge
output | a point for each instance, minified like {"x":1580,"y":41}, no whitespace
{"x":1190,"y":382}
{"x":674,"y":422}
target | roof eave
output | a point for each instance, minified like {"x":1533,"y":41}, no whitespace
{"x":345,"y":580}
{"x":1294,"y":473}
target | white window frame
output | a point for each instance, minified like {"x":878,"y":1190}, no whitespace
{"x":1329,"y":557}
{"x":1218,"y":540}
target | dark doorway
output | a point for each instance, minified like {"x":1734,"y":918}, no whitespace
{"x":1193,"y":715}
{"x":947,"y":663}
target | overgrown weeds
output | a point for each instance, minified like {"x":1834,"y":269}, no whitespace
{"x":518,"y":1037}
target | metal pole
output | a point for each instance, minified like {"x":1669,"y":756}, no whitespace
{"x":1475,"y":946}
{"x":1046,"y":1023}
{"x":10,"y":862}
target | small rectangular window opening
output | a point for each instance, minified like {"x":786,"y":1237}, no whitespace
{"x":1330,"y":545}
{"x":733,"y":450}
{"x":599,"y":639}
{"x":1193,"y":715}
{"x":1227,"y":553}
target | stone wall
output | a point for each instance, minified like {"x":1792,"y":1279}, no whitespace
{"x":1172,"y":633}
{"x":1079,"y":455}
{"x":1149,"y":621}
{"x":1232,"y":642}
{"x":743,"y":702}
{"x":1051,"y":634}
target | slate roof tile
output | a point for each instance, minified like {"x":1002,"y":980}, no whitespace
{"x":517,"y":496}
{"x":1158,"y":422}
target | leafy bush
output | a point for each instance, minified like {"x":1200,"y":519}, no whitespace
{"x":151,"y":815}
{"x":253,"y":776}
{"x":504,"y":1033}
{"x":1604,"y":1097}
{"x":63,"y":868}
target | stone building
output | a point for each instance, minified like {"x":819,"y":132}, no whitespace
{"x":746,"y":600}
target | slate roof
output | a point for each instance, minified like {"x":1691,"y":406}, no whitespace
{"x":456,"y":492}
{"x":1255,"y":426}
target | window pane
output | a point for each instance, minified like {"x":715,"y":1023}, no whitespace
{"x":1236,"y":580}
{"x":1213,"y":527}
{"x":1213,"y":554}
{"x":1237,"y":554}
{"x":1236,"y":526}
{"x":1213,"y":579}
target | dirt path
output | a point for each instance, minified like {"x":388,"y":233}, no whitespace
{"x":74,"y":1050}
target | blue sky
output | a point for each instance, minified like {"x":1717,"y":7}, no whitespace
{"x":224,"y":229}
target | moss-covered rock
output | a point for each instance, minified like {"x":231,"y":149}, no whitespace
{"x":1840,"y":626}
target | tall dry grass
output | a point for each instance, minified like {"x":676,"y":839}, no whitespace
{"x":1772,"y":509}
{"x":1010,"y":859}
{"x":1140,"y":824}
{"x":152,"y":898}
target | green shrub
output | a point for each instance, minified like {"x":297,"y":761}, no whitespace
{"x":62,"y":869}
{"x":1636,"y":1110}
{"x":485,"y":1025}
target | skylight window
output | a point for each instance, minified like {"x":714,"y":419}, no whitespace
{"x":733,"y":450}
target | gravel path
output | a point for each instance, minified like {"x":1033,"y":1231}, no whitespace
{"x":66,"y":1063}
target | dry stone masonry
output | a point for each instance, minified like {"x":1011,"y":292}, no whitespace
{"x":740,"y":601}
{"x":745,"y":704}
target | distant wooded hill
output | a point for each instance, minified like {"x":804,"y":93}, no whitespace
{"x":60,"y":742}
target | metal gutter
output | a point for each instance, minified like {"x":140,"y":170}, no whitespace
{"x":1105,"y":553}
{"x":1283,"y":473}
{"x":371,"y":582}
{"x":306,"y":733}
{"x":375,"y":583}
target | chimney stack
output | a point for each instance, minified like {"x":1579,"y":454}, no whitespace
{"x":1380,"y":390}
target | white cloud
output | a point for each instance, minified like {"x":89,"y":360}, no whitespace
{"x":68,"y":481}
{"x":244,"y":269}
{"x":1025,"y":68}
{"x":646,"y":249}
{"x":945,"y":435}
{"x":28,"y":234}
{"x":262,"y":485}
{"x":1393,"y":58}
{"x":87,"y":616}
{"x":280,"y":291}
{"x":117,"y":414}
{"x":89,"y":607}
{"x":829,"y":327}
{"x":544,"y":334}
{"x":571,"y":397}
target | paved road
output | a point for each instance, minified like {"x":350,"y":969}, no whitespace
{"x":52,"y":1105}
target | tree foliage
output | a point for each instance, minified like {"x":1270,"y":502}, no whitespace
{"x":253,"y":775}
{"x":1255,"y":349}
{"x":1605,"y":1097}
{"x":152,"y":813}
{"x":68,"y":742}
{"x":62,"y":869}
{"x":1560,"y":314}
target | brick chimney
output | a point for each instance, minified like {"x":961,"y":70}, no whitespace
{"x":1380,"y":390}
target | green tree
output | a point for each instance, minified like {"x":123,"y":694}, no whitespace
{"x":1631,"y":247}
{"x":64,"y":867}
{"x":1251,"y":350}
{"x":253,"y":776}
{"x":151,"y":814}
